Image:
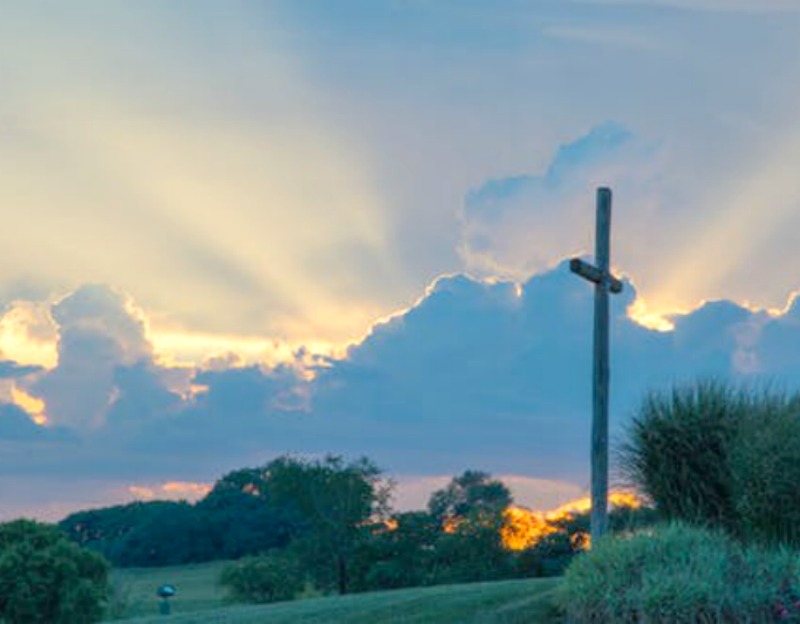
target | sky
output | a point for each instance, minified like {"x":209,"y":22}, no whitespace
{"x":236,"y":230}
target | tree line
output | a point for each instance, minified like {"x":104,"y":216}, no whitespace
{"x":330,"y":521}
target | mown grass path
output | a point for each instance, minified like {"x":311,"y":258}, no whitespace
{"x":199,"y":602}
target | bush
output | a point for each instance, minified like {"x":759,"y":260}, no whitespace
{"x":765,"y":475}
{"x":267,"y":578}
{"x":677,"y":451}
{"x":714,"y":455}
{"x":680,"y":573}
{"x":46,"y":579}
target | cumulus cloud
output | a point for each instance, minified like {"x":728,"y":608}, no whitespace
{"x":98,"y":331}
{"x":12,"y":370}
{"x":497,"y":375}
{"x":16,"y":424}
{"x":681,"y":238}
{"x":519,"y":225}
{"x":486,"y":374}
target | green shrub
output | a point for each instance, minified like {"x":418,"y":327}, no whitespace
{"x":677,"y":451}
{"x":715,"y":455}
{"x":46,"y":579}
{"x":267,"y":578}
{"x":765,"y":474}
{"x":679,"y":573}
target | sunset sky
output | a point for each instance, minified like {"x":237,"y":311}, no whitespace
{"x":238,"y":229}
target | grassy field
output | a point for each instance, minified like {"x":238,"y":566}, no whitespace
{"x":199,"y":601}
{"x":135,"y":588}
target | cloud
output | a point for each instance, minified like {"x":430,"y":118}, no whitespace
{"x":497,"y":375}
{"x":681,"y":243}
{"x":98,"y":332}
{"x":16,"y":424}
{"x":12,"y":370}
{"x":27,"y":331}
{"x":232,"y":176}
{"x":139,"y":394}
{"x":171,"y":490}
{"x":477,"y":374}
{"x":485,"y":374}
{"x":520,"y":225}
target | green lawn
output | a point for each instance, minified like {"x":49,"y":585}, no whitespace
{"x":200,"y":601}
{"x":196,"y":584}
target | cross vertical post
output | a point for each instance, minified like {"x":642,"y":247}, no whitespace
{"x":604,"y":283}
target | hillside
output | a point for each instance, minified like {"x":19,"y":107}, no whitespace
{"x":199,"y":601}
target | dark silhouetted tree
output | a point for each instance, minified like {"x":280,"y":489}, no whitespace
{"x":474,"y":494}
{"x":339,"y":500}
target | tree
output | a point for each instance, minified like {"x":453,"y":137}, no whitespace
{"x":267,"y":578}
{"x":338,"y":500}
{"x":238,"y":517}
{"x":244,"y":517}
{"x":470,"y":512}
{"x":111,"y":531}
{"x":146,"y":534}
{"x":176,"y":534}
{"x":474,"y":494}
{"x":46,"y":579}
{"x":470,"y":494}
{"x":471,"y":552}
{"x":400,"y":553}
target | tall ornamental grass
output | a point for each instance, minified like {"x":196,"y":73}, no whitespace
{"x":765,"y":474}
{"x":716,"y":455}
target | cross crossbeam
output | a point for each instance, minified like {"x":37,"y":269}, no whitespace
{"x":604,"y":282}
{"x":593,"y":274}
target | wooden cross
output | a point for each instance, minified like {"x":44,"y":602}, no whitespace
{"x":603,"y":283}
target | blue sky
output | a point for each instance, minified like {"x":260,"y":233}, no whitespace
{"x":236,"y":230}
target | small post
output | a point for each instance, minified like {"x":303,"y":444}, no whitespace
{"x":165,"y":592}
{"x":604,"y":283}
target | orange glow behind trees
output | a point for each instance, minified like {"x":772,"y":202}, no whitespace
{"x":524,"y":528}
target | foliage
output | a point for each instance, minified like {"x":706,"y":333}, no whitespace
{"x":268,"y":578}
{"x":472,"y":494}
{"x":715,"y":455}
{"x":236,"y":518}
{"x":472,"y":552}
{"x":765,"y":474}
{"x":679,"y":573}
{"x":677,"y":451}
{"x":551,"y":555}
{"x":101,"y":529}
{"x":46,"y":579}
{"x":245,"y":518}
{"x":175,"y":535}
{"x":338,"y":500}
{"x":470,"y":512}
{"x":400,"y":553}
{"x":142,"y":534}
